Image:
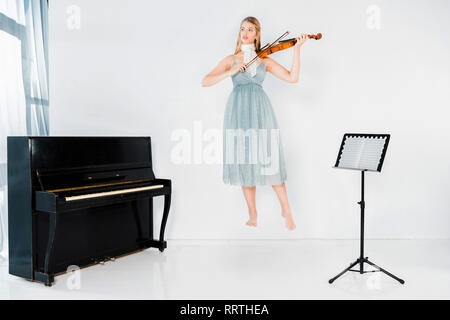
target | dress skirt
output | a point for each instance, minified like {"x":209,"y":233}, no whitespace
{"x":252,"y":147}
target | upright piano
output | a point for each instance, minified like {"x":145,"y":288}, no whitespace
{"x":77,"y":201}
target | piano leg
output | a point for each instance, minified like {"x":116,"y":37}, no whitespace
{"x":48,"y":263}
{"x":163,"y":245}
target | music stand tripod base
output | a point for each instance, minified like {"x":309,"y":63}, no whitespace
{"x":362,"y":271}
{"x":375,"y":145}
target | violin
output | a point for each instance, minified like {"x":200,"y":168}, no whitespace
{"x":281,"y":45}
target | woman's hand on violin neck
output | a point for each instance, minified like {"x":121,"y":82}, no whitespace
{"x":301,"y":40}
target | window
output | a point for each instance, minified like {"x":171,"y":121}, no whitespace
{"x":23,"y":81}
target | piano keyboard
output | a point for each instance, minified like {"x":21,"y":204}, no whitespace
{"x":110,"y":193}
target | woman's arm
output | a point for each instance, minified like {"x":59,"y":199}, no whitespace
{"x":221,"y":71}
{"x":281,"y":72}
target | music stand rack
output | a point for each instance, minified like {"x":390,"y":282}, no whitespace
{"x":364,"y":152}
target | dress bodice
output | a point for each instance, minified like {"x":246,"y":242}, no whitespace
{"x":244,"y":78}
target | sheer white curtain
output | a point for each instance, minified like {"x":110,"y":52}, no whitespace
{"x":23,"y":83}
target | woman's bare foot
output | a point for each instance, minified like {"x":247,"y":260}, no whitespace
{"x":289,"y":221}
{"x":252,"y":221}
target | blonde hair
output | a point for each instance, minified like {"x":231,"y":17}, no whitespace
{"x":255,"y":22}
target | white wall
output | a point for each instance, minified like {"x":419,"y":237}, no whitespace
{"x":134,"y":68}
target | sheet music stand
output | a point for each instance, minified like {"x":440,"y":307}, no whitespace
{"x":364,"y":152}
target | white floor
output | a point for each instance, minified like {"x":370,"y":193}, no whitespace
{"x":269,"y":269}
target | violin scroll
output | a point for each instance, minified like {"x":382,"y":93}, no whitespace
{"x":315,"y":36}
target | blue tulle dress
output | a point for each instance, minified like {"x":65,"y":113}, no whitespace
{"x":252,"y":147}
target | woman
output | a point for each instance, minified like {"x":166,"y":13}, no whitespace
{"x":249,"y":114}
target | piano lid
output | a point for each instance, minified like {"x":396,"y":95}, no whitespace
{"x":77,"y":162}
{"x":68,"y":181}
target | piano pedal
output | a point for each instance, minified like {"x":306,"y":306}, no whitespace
{"x":98,"y":261}
{"x":103,"y":260}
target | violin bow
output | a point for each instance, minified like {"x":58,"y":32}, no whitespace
{"x":257,"y":56}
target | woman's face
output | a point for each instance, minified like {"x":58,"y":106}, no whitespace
{"x":248,"y":32}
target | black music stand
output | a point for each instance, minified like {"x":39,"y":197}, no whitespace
{"x":364,"y":152}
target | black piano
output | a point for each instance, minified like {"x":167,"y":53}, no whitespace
{"x":80,"y":201}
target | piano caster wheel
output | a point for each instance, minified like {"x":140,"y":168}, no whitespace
{"x":48,"y":284}
{"x":161,"y":249}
